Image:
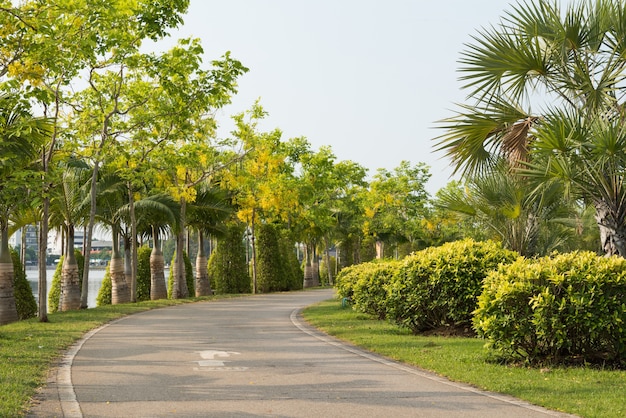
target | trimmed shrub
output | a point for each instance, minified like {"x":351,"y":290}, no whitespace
{"x":228,"y":270}
{"x":106,"y":288}
{"x":294,"y":276}
{"x":24,"y":299}
{"x":439,"y":286}
{"x":564,"y":308}
{"x":143,"y":273}
{"x":370,"y":289}
{"x":269,"y":268}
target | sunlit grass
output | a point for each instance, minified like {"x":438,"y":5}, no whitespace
{"x":586,"y":392}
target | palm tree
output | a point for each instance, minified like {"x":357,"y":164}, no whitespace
{"x":206,"y":215}
{"x":156,"y":215}
{"x":21,"y":138}
{"x":548,"y":92}
{"x":69,"y":205}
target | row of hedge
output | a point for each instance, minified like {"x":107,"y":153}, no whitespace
{"x":562,"y":308}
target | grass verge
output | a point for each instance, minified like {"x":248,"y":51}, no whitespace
{"x":28,"y":348}
{"x":585,"y":392}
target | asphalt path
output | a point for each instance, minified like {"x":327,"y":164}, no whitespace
{"x":248,"y":357}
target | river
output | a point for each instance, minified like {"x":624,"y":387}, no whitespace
{"x":95,"y":281}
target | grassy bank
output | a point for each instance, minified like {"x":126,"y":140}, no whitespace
{"x":28,"y":348}
{"x":582,"y":391}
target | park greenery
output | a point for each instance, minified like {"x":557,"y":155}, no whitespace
{"x":95,"y":131}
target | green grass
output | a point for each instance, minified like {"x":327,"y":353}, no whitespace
{"x":586,"y":392}
{"x":28,"y":348}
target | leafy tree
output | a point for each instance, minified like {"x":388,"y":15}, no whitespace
{"x":21,"y":138}
{"x":396,"y":204}
{"x":548,"y":98}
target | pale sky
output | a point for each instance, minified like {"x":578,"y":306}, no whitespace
{"x":367,"y":77}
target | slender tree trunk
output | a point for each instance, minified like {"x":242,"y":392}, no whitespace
{"x":252,"y":238}
{"x":328,"y":266}
{"x":23,"y":246}
{"x":70,"y":281}
{"x":203,"y":287}
{"x":180,"y":289}
{"x":127,"y":263}
{"x":612,"y":232}
{"x":120,"y":293}
{"x":158,"y":289}
{"x":87,"y":237}
{"x":133,"y":243}
{"x":42,"y":292}
{"x":8,"y":309}
{"x":380,"y":250}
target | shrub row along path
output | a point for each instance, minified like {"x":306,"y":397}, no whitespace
{"x":244,"y":357}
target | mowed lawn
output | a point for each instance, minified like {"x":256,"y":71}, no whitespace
{"x":584,"y":391}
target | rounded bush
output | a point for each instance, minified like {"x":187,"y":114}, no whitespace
{"x":143,"y":273}
{"x":564,"y":308}
{"x":370,"y":289}
{"x":439,"y":286}
{"x":104,"y":296}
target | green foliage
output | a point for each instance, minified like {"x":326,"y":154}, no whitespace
{"x":294,"y":276}
{"x":143,"y":273}
{"x":324,"y":268}
{"x":568,"y":307}
{"x":439,"y":286}
{"x":24,"y":298}
{"x":227,"y":268}
{"x":106,"y":288}
{"x":188,"y":276}
{"x":54,"y":293}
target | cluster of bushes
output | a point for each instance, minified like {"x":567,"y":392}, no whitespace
{"x":562,"y":308}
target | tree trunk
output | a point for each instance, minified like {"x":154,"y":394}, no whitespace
{"x":42,"y":292}
{"x":127,"y":264}
{"x":8,"y":309}
{"x":328,"y":266}
{"x":70,"y":281}
{"x":203,"y":287}
{"x":120,"y":293}
{"x":612,"y":232}
{"x":87,"y":237}
{"x":158,"y":289}
{"x":179,"y":288}
{"x":133,"y":245}
{"x":380,"y":250}
{"x":254,"y":275}
{"x":309,"y":276}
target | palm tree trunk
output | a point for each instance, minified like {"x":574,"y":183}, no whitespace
{"x":612,"y":233}
{"x":70,"y":282}
{"x":158,"y":289}
{"x":8,"y":309}
{"x":203,"y":287}
{"x":120,"y":293}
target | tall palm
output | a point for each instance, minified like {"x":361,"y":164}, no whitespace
{"x":21,"y":139}
{"x":157,"y":215}
{"x":206,"y":215}
{"x":68,"y":205}
{"x":111,"y":197}
{"x":548,"y":92}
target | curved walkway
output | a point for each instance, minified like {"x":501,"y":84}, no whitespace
{"x":248,"y":357}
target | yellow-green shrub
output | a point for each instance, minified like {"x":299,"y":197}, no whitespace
{"x":439,"y":286}
{"x":568,"y":307}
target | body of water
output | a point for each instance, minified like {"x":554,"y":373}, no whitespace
{"x":95,"y":281}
